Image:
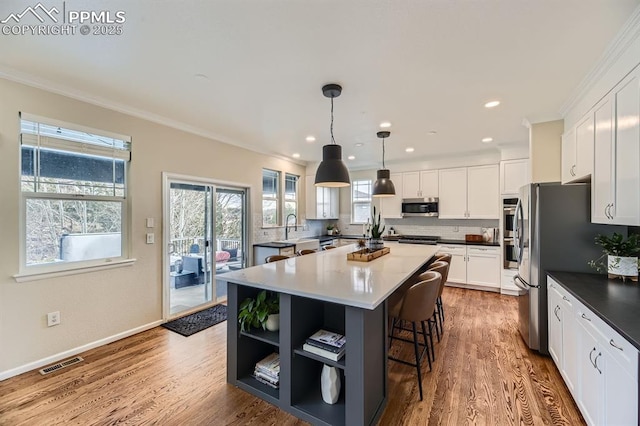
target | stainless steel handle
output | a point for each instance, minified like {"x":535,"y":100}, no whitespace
{"x":611,"y":210}
{"x":565,"y":298}
{"x":573,"y":173}
{"x":595,"y":362}
{"x":606,"y":211}
{"x":585,"y":317}
{"x":590,"y":354}
{"x":612,"y":343}
{"x":555,"y":312}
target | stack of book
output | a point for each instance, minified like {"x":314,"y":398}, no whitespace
{"x":326,"y":344}
{"x":267,"y":371}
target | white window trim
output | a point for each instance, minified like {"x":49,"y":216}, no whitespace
{"x":353,"y":203}
{"x":38,"y":272}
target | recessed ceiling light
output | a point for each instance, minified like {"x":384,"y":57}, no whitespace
{"x":487,"y":140}
{"x":433,"y":132}
{"x":409,"y":149}
{"x":296,"y":155}
{"x":201,"y":76}
{"x":310,"y":138}
{"x":351,"y":157}
{"x":385,"y":125}
{"x":359,"y":144}
{"x":492,"y":104}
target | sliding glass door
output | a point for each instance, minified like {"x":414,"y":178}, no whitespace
{"x":205,"y":235}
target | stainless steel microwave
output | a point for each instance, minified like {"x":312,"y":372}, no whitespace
{"x":420,"y":207}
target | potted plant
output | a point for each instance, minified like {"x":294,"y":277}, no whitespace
{"x":263,"y":311}
{"x":621,"y":253}
{"x":329,"y":229}
{"x":376,"y":242}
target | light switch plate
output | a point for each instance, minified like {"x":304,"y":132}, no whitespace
{"x":151,"y":238}
{"x":150,"y":222}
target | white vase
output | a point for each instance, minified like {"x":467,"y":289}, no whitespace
{"x":624,"y":266}
{"x":330,"y":384}
{"x":273,"y":322}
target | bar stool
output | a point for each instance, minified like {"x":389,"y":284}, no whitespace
{"x":417,"y":301}
{"x":445,"y":258}
{"x":275,"y":258}
{"x":443,"y":269}
{"x":304,"y":252}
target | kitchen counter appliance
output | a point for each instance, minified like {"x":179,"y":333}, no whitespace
{"x":420,"y":207}
{"x":552,"y":231}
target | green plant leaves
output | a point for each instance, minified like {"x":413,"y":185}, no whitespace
{"x":253,"y":313}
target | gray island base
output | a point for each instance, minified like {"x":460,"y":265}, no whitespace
{"x":322,"y":290}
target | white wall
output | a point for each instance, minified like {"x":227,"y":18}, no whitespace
{"x":99,"y":305}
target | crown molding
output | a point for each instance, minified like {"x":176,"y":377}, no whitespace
{"x":625,"y":37}
{"x":49,"y":86}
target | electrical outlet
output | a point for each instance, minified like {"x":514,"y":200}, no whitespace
{"x":456,"y":229}
{"x":53,"y":318}
{"x":151,"y":238}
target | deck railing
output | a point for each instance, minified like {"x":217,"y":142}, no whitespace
{"x":188,"y":245}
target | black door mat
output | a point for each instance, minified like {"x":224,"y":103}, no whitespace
{"x":199,"y":321}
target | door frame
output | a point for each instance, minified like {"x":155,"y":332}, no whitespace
{"x":167,"y":178}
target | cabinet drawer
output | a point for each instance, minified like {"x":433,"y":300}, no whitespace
{"x":567,"y":297}
{"x":480,"y":251}
{"x":453,"y":249}
{"x":618,"y":347}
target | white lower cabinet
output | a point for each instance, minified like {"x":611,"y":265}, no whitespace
{"x":478,"y":266}
{"x":599,"y":367}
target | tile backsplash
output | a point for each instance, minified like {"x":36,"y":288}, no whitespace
{"x":451,"y":229}
{"x":309,"y":228}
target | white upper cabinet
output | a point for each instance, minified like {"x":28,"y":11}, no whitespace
{"x":391,"y":207}
{"x":321,"y":202}
{"x":453,"y":187}
{"x":469,"y":193}
{"x":577,"y":151}
{"x":513,"y":175}
{"x":616,"y":175}
{"x":422,"y":184}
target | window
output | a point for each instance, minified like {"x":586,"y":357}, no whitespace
{"x":74,"y":193}
{"x":360,"y":201}
{"x":270,"y":191}
{"x":290,"y":194}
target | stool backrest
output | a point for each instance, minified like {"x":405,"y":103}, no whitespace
{"x":445,"y":257}
{"x":305,"y":251}
{"x":275,"y":258}
{"x":419,"y":301}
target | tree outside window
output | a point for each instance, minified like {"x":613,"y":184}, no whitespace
{"x":360,"y":201}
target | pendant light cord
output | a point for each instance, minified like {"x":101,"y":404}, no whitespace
{"x":333,"y":141}
{"x":383,"y":154}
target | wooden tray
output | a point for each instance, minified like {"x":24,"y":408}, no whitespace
{"x":365,"y":256}
{"x":473,"y":238}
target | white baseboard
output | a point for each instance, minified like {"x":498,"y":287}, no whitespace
{"x":509,"y":292}
{"x":473,"y":287}
{"x":75,"y":351}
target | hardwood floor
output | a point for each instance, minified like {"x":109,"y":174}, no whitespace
{"x":483,"y":374}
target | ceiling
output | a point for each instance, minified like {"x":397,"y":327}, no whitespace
{"x":250,"y":72}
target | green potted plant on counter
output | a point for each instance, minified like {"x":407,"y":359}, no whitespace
{"x":621,"y":256}
{"x":329,"y":229}
{"x":261,"y":312}
{"x":376,"y":242}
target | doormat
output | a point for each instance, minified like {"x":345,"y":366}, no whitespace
{"x":199,"y":321}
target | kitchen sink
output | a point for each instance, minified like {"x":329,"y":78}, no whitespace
{"x":303,"y":243}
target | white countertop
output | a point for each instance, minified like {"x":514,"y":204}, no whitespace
{"x":330,"y":277}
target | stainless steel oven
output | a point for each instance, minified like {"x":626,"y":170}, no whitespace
{"x":510,"y":260}
{"x":509,"y":212}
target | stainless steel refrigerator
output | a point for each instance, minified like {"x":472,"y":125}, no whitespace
{"x":552,"y":232}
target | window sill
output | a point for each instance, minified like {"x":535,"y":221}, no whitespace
{"x":35,"y":276}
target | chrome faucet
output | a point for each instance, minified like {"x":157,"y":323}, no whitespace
{"x":286,"y":225}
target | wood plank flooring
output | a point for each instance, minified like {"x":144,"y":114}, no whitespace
{"x":483,"y":375}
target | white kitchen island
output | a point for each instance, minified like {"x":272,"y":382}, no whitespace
{"x":322,"y":290}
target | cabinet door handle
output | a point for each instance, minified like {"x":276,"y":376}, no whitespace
{"x":611,"y":210}
{"x":590,"y":356}
{"x":565,"y":298}
{"x":555,"y":312}
{"x":585,"y":317}
{"x":612,"y":343}
{"x":595,"y":362}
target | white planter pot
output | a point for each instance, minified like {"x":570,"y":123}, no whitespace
{"x":273,"y":322}
{"x":624,"y":266}
{"x":330,"y":384}
{"x":376,"y":243}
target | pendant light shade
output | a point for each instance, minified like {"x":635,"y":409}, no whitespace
{"x":332,"y":172}
{"x":383,"y":187}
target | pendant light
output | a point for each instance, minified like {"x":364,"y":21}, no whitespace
{"x":383,"y":187}
{"x":332,"y":172}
